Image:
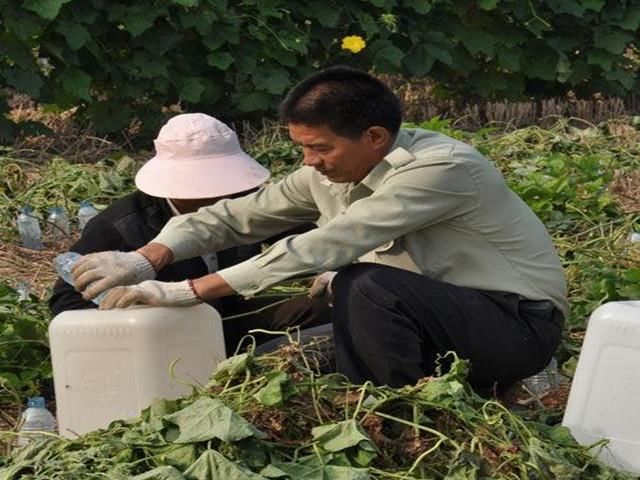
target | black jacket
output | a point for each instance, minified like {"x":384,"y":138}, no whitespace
{"x":128,"y":224}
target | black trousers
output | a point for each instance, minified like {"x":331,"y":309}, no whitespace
{"x":390,"y":325}
{"x":303,"y":312}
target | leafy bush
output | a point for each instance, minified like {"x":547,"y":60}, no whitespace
{"x":118,"y":60}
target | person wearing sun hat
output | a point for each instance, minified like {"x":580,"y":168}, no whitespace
{"x":198,"y":161}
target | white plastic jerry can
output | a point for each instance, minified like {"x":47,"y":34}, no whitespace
{"x":111,"y":364}
{"x":604,"y":402}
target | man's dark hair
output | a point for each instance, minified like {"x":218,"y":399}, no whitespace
{"x":346,"y":100}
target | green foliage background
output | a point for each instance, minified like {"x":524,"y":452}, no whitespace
{"x":117,"y":60}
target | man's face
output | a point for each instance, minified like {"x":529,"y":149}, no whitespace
{"x":340,"y":159}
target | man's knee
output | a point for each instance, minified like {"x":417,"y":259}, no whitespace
{"x":365,"y":278}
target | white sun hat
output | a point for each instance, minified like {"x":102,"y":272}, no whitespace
{"x":198,"y":156}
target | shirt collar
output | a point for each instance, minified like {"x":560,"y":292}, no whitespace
{"x":398,"y":155}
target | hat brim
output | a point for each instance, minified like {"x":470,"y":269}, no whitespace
{"x":200,"y":178}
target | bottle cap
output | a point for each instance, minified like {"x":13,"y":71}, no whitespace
{"x":57,"y":210}
{"x":26,"y":209}
{"x":36,"y":402}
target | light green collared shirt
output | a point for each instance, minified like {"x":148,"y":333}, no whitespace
{"x":434,"y":205}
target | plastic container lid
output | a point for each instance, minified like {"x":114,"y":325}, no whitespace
{"x":58,"y":210}
{"x":36,"y":402}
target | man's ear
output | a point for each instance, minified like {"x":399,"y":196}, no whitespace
{"x":379,"y":137}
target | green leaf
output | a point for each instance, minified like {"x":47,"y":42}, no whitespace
{"x":212,"y":465}
{"x":109,"y":116}
{"x":160,"y":473}
{"x":145,"y":65}
{"x":572,"y":7}
{"x":220,"y":60}
{"x":420,"y":6}
{"x":419,"y":61}
{"x":208,"y":418}
{"x":186,"y":3}
{"x":327,"y":14}
{"x":314,"y":468}
{"x":47,"y":9}
{"x":626,"y":77}
{"x":191,"y":89}
{"x":75,"y":34}
{"x":252,"y":102}
{"x":614,"y":42}
{"x":477,"y":41}
{"x":631,"y":20}
{"x":510,"y":58}
{"x":340,"y":436}
{"x":179,"y":456}
{"x":541,"y":65}
{"x":77,"y":83}
{"x":601,"y":58}
{"x":232,"y":366}
{"x":387,"y":57}
{"x":25,"y":81}
{"x":439,"y":47}
{"x":274,"y":81}
{"x":272,"y":394}
{"x":488,"y":4}
{"x":595,"y":5}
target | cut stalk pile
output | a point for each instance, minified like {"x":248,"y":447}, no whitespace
{"x":273,"y":417}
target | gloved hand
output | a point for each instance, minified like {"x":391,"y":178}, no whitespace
{"x":321,"y":286}
{"x":151,"y":292}
{"x":96,"y":272}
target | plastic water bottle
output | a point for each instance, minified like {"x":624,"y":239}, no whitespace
{"x":29,"y":229}
{"x":63,"y":264}
{"x":36,"y":418}
{"x":85,"y":213}
{"x":634,"y":237}
{"x":58,"y":223}
{"x":545,"y":381}
{"x":24,"y":290}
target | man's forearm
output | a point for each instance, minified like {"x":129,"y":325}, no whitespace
{"x":157,"y":254}
{"x":212,"y":286}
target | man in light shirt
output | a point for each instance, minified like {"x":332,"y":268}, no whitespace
{"x":433,"y":251}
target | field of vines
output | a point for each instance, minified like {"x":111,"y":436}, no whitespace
{"x":275,"y":416}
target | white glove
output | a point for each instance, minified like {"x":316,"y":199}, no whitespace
{"x":321,"y":286}
{"x":96,"y":272}
{"x":151,"y":292}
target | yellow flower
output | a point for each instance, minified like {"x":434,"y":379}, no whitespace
{"x":353,"y":43}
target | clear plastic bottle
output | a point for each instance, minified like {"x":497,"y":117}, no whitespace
{"x":58,"y":224}
{"x":85,"y":213}
{"x":634,"y":237}
{"x":29,"y":229}
{"x":24,"y":290}
{"x":63,"y":264}
{"x":545,"y":381}
{"x":36,"y":418}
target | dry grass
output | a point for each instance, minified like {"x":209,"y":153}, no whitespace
{"x":74,"y":141}
{"x":32,"y":266}
{"x":626,"y":190}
